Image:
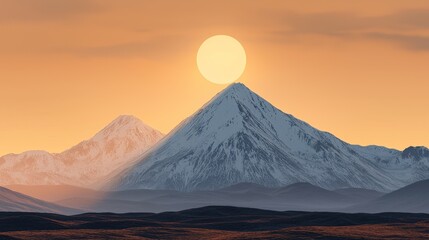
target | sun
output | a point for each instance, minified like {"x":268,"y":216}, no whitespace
{"x":221,"y":59}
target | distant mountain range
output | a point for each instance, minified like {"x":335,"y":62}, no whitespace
{"x":240,"y":137}
{"x":295,"y":197}
{"x":298,"y":196}
{"x":413,"y":198}
{"x":87,"y":163}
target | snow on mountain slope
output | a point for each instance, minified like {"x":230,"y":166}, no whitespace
{"x":410,"y":165}
{"x":121,"y":141}
{"x":11,"y":201}
{"x":240,"y":137}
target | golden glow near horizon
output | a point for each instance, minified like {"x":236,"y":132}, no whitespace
{"x":221,"y":59}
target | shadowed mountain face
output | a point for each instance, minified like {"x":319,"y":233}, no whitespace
{"x":416,"y":153}
{"x":11,"y":201}
{"x":412,"y":198}
{"x":239,"y":137}
{"x":215,"y":223}
{"x":90,"y":161}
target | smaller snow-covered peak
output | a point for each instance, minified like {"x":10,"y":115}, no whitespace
{"x":126,"y":120}
{"x":125,"y":124}
{"x":123,"y":140}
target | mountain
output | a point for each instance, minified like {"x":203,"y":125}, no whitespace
{"x":360,"y":195}
{"x":413,"y":198}
{"x":240,"y":137}
{"x":298,"y":196}
{"x":408,"y":166}
{"x":415,"y":153}
{"x":122,"y":141}
{"x":246,"y":188}
{"x":310,"y":196}
{"x":11,"y":201}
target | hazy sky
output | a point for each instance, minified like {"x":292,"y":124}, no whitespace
{"x":358,"y":69}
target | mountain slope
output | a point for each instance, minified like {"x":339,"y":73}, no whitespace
{"x":360,"y":195}
{"x":412,"y":198}
{"x":121,"y":141}
{"x":11,"y":201}
{"x":239,"y":137}
{"x":410,"y":165}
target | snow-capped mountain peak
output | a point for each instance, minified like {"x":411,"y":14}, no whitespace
{"x":123,"y":125}
{"x":240,"y":137}
{"x":121,"y":141}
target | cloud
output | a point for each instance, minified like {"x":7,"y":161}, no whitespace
{"x":153,"y":48}
{"x":129,"y":49}
{"x":411,"y":42}
{"x":398,"y":27}
{"x":44,"y":10}
{"x":335,"y":22}
{"x":413,"y":19}
{"x":330,"y":23}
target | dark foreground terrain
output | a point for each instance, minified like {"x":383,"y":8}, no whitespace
{"x":215,"y":223}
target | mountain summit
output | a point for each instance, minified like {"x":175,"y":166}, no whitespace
{"x":416,"y":153}
{"x":240,"y":137}
{"x":123,"y":140}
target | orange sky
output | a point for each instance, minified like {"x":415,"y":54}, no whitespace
{"x":358,"y":69}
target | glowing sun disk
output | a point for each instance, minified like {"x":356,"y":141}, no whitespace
{"x":221,"y":59}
